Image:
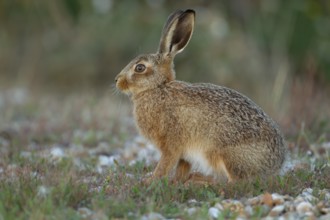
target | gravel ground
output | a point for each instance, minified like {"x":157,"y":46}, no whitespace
{"x":307,"y":205}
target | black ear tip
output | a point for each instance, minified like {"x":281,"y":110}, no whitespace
{"x":190,"y":11}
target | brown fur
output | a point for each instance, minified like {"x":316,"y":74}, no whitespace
{"x":214,"y":129}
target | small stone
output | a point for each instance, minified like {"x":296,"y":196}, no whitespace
{"x":307,"y":190}
{"x":265,"y":210}
{"x":214,"y":212}
{"x":43,"y":191}
{"x":290,"y":215}
{"x":129,"y":175}
{"x":325,"y":193}
{"x":25,"y":154}
{"x":325,"y":217}
{"x":320,"y":205}
{"x":277,"y":199}
{"x":304,"y":207}
{"x":325,"y":210}
{"x":233,"y":205}
{"x":131,"y":215}
{"x":276,"y":211}
{"x":254,"y":201}
{"x":193,"y":203}
{"x":287,"y":198}
{"x":299,"y":199}
{"x":153,"y":216}
{"x":289,"y":206}
{"x":309,"y":198}
{"x":248,"y":210}
{"x":191,"y":211}
{"x":310,"y":215}
{"x":262,"y":210}
{"x":107,"y":160}
{"x":218,"y":206}
{"x":57,"y":152}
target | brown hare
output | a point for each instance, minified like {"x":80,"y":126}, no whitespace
{"x":203,"y":127}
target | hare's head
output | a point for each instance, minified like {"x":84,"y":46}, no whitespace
{"x":149,"y":71}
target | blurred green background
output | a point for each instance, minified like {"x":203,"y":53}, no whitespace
{"x":275,"y":51}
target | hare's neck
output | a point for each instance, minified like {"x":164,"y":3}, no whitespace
{"x":148,"y":112}
{"x":145,"y":94}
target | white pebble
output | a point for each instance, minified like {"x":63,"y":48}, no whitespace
{"x":299,"y":199}
{"x":192,"y":201}
{"x":309,"y":214}
{"x":277,"y":199}
{"x":42,"y":191}
{"x":153,"y":216}
{"x":218,"y":206}
{"x":248,"y":210}
{"x":325,"y":210}
{"x":277,"y":210}
{"x":307,"y":195}
{"x":129,"y":175}
{"x":307,"y":190}
{"x":254,"y":201}
{"x":25,"y":154}
{"x":57,"y":152}
{"x":191,"y":211}
{"x":214,"y":212}
{"x":304,"y":207}
{"x":325,"y":193}
{"x":325,"y":217}
{"x":107,"y":161}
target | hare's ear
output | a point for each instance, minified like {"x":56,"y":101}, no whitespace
{"x":177,"y":32}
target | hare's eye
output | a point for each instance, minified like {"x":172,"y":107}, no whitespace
{"x":140,"y":68}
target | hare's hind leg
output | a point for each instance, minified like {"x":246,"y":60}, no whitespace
{"x":221,"y":171}
{"x":200,"y":179}
{"x":182,"y":171}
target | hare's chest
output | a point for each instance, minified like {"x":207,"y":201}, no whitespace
{"x":150,"y":120}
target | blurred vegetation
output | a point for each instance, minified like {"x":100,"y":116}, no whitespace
{"x":272,"y":50}
{"x":70,"y":41}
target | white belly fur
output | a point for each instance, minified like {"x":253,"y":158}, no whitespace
{"x":198,"y":161}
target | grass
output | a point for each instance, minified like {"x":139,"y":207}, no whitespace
{"x":34,"y":184}
{"x":40,"y":189}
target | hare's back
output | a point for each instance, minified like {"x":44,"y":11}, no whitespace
{"x":224,"y":111}
{"x":220,"y":99}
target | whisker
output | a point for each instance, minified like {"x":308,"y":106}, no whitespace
{"x":113,"y":89}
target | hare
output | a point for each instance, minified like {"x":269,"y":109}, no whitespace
{"x":203,"y":127}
